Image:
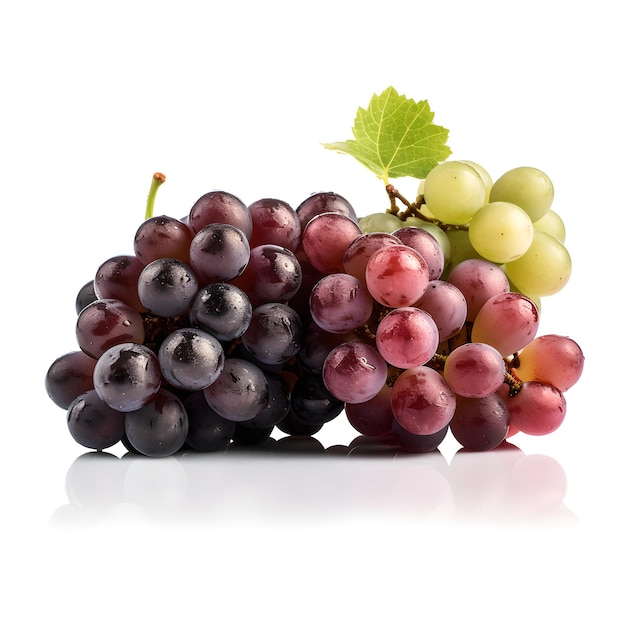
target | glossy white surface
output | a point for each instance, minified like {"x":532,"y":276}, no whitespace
{"x":95,"y":100}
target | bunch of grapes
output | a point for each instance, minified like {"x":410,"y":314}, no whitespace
{"x":238,"y":319}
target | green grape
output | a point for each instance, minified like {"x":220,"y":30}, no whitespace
{"x":552,"y":224}
{"x":501,"y":232}
{"x":380,"y":223}
{"x":460,"y":248}
{"x":484,"y":174}
{"x":544,"y":269}
{"x":453,"y":192}
{"x":438,"y":233}
{"x":528,"y":187}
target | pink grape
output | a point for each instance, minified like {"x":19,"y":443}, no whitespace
{"x":446,"y":304}
{"x":551,"y":359}
{"x":474,"y":370}
{"x":478,"y":280}
{"x":396,"y":276}
{"x":422,"y":401}
{"x":407,"y":337}
{"x":354,"y":372}
{"x":507,"y":321}
{"x":538,"y":408}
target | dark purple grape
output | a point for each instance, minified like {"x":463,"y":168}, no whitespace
{"x":221,"y":309}
{"x":272,"y":275}
{"x":249,"y":436}
{"x":191,"y":359}
{"x":69,"y":376}
{"x":161,"y":237}
{"x":311,"y":400}
{"x":94,"y":424}
{"x":274,"y":222}
{"x":160,"y":427}
{"x":296,"y":425}
{"x":324,"y":202}
{"x":167,"y":287}
{"x":219,"y":253}
{"x":274,"y":334}
{"x":105,"y":323}
{"x":480,"y":423}
{"x":278,"y":404}
{"x":86,"y":295}
{"x":127,"y":376}
{"x":208,"y":430}
{"x":117,"y":278}
{"x":220,"y":207}
{"x":417,"y":443}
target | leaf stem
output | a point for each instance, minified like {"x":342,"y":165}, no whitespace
{"x":157,"y":180}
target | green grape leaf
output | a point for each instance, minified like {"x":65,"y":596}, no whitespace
{"x":395,"y":137}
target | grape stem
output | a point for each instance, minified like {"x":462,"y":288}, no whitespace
{"x":157,"y":180}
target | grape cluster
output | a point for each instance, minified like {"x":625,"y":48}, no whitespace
{"x":237,"y":319}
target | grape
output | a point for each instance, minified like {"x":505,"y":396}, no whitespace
{"x":474,"y":370}
{"x":484,"y":175}
{"x":417,"y":443}
{"x":219,"y":253}
{"x":159,"y":428}
{"x":480,"y":423}
{"x":379,"y":223}
{"x":361,"y":249}
{"x":354,"y":372}
{"x":340,"y":303}
{"x":220,"y":207}
{"x":426,"y":245}
{"x":312,"y":402}
{"x":316,"y":345}
{"x":207,"y":430}
{"x":167,"y":287}
{"x":94,"y":424}
{"x":274,"y":222}
{"x":105,"y":323}
{"x":437,"y":232}
{"x":191,"y":359}
{"x":407,"y":337}
{"x":528,"y":188}
{"x":69,"y":376}
{"x":552,"y":224}
{"x":501,"y":232}
{"x":325,"y":240}
{"x":117,"y":279}
{"x":478,"y":280}
{"x":127,"y":376}
{"x":272,"y":275}
{"x":507,"y":321}
{"x":461,"y":249}
{"x":160,"y":237}
{"x":422,"y":401}
{"x":396,"y":276}
{"x":538,"y":408}
{"x":86,"y":295}
{"x":544,"y":269}
{"x":552,"y":359}
{"x":222,"y":309}
{"x":324,"y":202}
{"x":240,"y":391}
{"x":454,"y":191}
{"x":274,"y":334}
{"x":373,"y":417}
{"x":447,"y":305}
{"x":277,"y":407}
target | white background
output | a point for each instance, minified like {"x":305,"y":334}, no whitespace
{"x":239,"y":96}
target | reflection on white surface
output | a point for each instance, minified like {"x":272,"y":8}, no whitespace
{"x":297,"y":480}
